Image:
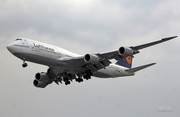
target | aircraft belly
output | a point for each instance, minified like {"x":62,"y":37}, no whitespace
{"x":36,"y":58}
{"x":101,"y":75}
{"x":109,"y":72}
{"x":112,"y":72}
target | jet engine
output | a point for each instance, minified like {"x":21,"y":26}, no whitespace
{"x":42,"y":80}
{"x":124,"y":51}
{"x":91,"y":58}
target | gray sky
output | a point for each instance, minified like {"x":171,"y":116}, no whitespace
{"x":91,"y":26}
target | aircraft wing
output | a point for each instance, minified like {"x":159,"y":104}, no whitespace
{"x":103,"y":61}
{"x":135,"y":49}
{"x":80,"y":65}
{"x":152,"y":43}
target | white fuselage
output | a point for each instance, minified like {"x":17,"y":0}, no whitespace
{"x":52,"y":56}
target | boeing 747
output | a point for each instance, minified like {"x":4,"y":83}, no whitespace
{"x":65,"y":66}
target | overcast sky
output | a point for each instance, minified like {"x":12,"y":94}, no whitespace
{"x":91,"y":26}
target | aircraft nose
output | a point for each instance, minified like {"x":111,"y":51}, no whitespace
{"x":9,"y":47}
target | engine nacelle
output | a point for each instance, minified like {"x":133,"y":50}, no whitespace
{"x":42,"y":77}
{"x":91,"y":58}
{"x":42,"y":80}
{"x":124,"y":51}
{"x":40,"y":84}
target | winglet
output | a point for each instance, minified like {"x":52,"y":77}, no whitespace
{"x":168,"y":38}
{"x":132,"y":70}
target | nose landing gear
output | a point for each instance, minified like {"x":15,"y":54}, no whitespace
{"x":24,"y":64}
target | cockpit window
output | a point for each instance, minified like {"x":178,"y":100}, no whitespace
{"x":18,"y":39}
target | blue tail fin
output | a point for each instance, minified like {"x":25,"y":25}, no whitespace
{"x":125,"y":62}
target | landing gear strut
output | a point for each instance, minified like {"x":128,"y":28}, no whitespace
{"x":87,"y":75}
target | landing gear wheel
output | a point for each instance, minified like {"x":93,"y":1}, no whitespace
{"x":79,"y":80}
{"x":87,"y":77}
{"x":67,"y":82}
{"x":24,"y":65}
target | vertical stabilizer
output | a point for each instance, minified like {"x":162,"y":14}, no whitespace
{"x":125,"y":62}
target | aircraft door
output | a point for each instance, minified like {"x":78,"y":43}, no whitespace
{"x":32,"y":46}
{"x":24,"y":45}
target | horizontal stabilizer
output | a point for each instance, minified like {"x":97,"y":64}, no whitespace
{"x":132,"y":70}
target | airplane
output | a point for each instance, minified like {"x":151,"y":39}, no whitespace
{"x":65,"y":66}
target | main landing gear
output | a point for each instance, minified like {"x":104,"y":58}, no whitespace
{"x":66,"y":80}
{"x":79,"y":79}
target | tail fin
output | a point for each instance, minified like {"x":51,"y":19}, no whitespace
{"x":125,"y":62}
